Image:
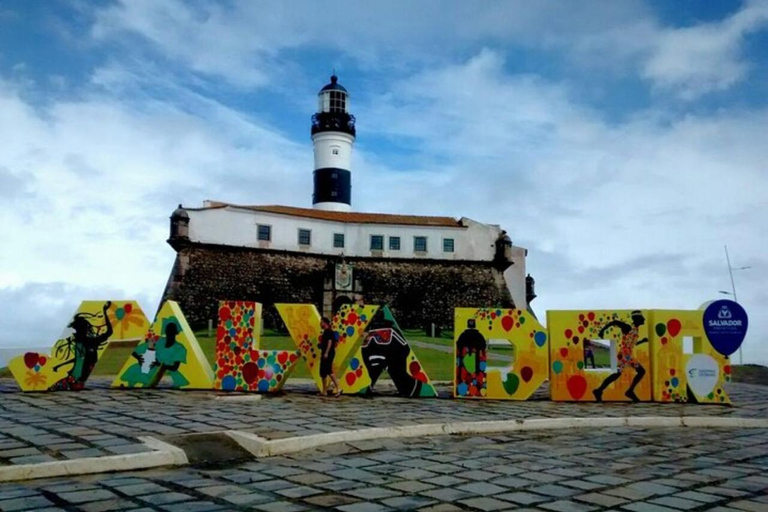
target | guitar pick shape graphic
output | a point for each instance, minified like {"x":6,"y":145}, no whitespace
{"x":725,"y":323}
{"x":703,"y":374}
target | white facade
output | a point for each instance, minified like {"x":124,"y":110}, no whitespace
{"x":471,"y":240}
{"x":333,"y":149}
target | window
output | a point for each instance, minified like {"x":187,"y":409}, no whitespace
{"x":420,"y":244}
{"x":265,"y":232}
{"x":338,"y":101}
{"x":305,"y":236}
{"x":335,"y":151}
{"x":394,"y":243}
{"x":338,"y":240}
{"x":448,"y":245}
{"x":377,"y":243}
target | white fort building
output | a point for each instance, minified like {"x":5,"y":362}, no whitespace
{"x":329,"y":254}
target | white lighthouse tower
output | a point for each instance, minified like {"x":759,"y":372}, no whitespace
{"x":333,"y":134}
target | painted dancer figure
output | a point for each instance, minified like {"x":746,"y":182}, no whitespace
{"x":626,"y":358}
{"x":83,"y":347}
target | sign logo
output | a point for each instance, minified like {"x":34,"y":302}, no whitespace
{"x":724,"y":312}
{"x":725,"y":323}
{"x":703,"y":374}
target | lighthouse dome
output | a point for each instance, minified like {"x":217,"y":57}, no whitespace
{"x":334,"y":85}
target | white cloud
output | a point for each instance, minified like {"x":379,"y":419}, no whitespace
{"x":704,"y":58}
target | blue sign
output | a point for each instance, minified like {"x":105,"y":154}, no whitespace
{"x":725,"y":323}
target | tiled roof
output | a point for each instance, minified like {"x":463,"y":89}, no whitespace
{"x":350,"y":217}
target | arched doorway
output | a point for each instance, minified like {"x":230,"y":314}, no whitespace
{"x":339,"y":301}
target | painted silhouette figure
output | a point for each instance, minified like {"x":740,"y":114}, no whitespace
{"x":154,"y":358}
{"x":471,"y":352}
{"x":385,"y":349}
{"x":626,"y":358}
{"x":82,"y":346}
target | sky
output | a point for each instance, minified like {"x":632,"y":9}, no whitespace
{"x":622,"y":143}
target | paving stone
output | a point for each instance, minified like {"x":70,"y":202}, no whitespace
{"x":407,"y":502}
{"x":678,"y":503}
{"x":440,"y":507}
{"x":373,"y":493}
{"x":567,"y":506}
{"x":165,"y":498}
{"x":193,"y":506}
{"x":410,"y":486}
{"x":280,"y":506}
{"x":481,"y":488}
{"x":445,"y":481}
{"x":556,"y":491}
{"x":363,"y":507}
{"x":749,"y":505}
{"x":247,"y":499}
{"x":85,"y":496}
{"x":26,"y":503}
{"x":522,"y":497}
{"x":646,"y":507}
{"x":485,"y":503}
{"x":106,"y":506}
{"x":603,"y":500}
{"x":141,"y":489}
{"x":298,"y":492}
{"x":446,"y":494}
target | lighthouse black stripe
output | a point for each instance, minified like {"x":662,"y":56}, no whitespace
{"x":332,"y":185}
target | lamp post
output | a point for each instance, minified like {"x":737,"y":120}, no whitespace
{"x":733,"y":287}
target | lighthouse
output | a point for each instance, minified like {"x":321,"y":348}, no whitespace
{"x":333,"y":134}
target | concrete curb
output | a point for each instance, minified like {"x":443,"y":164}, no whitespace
{"x":162,"y":454}
{"x":260,"y":447}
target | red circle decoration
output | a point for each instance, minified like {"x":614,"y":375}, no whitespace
{"x":726,"y":368}
{"x":568,"y":333}
{"x":590,"y":316}
{"x":250,"y":372}
{"x":507,"y":322}
{"x":225,"y":313}
{"x":282,"y":357}
{"x":350,"y":378}
{"x":43,"y":359}
{"x":526,"y":372}
{"x":581,"y":329}
{"x":664,"y":340}
{"x":128,"y":308}
{"x":564,"y":352}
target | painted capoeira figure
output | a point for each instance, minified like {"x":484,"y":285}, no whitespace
{"x":626,"y":357}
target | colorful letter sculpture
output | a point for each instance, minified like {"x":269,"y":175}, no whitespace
{"x":680,"y":377}
{"x":474,"y":378}
{"x":303,"y":322}
{"x":629,"y":377}
{"x":94,"y":325}
{"x":239,"y":364}
{"x":385,"y":348}
{"x":169,"y":348}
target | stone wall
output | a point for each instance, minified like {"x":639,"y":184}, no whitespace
{"x":419,"y":292}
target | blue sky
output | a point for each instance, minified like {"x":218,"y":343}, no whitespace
{"x":622,"y":143}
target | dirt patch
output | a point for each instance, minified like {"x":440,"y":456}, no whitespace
{"x":210,"y":450}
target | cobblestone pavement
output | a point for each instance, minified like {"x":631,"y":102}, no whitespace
{"x":578,"y":470}
{"x":101,"y":421}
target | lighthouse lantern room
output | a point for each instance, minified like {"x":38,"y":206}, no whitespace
{"x":333,"y":134}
